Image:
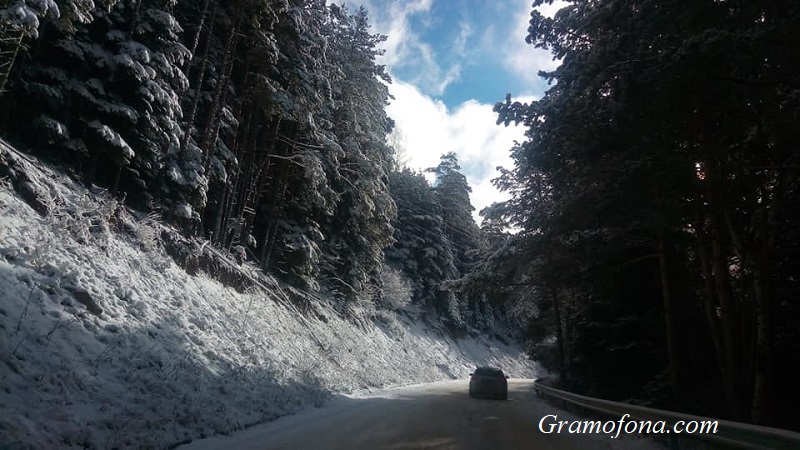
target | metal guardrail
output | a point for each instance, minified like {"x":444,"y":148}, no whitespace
{"x":729,"y":434}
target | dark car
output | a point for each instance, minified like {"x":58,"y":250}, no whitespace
{"x":488,"y":382}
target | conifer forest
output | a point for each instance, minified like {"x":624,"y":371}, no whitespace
{"x":649,"y":250}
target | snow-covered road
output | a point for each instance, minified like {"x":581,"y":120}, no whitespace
{"x":432,"y":416}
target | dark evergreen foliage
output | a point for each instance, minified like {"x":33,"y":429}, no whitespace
{"x":106,"y":97}
{"x":653,"y":187}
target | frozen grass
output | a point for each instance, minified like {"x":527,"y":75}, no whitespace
{"x":106,"y":343}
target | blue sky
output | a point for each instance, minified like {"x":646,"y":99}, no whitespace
{"x":468,"y":41}
{"x":450,"y":61}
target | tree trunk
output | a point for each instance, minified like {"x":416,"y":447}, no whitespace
{"x":91,"y":170}
{"x":765,"y":298}
{"x":229,"y":187}
{"x":200,"y":25}
{"x":10,"y":45}
{"x":562,"y":368}
{"x":272,"y":229}
{"x":710,"y":306}
{"x":211,"y":125}
{"x":243,"y":190}
{"x":722,"y":284}
{"x":255,"y":186}
{"x":188,"y":123}
{"x":669,"y":318}
{"x":760,"y":408}
{"x":219,"y":211}
{"x":233,"y":197}
{"x":115,"y":181}
{"x":217,"y":123}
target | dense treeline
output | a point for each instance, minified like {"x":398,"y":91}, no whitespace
{"x":258,"y":125}
{"x":656,"y":197}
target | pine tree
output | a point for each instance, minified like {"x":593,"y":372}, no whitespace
{"x":452,"y":194}
{"x":360,"y":228}
{"x":107,"y":95}
{"x":659,"y":150}
{"x":421,"y":249}
{"x":21,"y":20}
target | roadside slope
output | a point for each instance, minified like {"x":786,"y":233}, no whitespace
{"x":106,"y":342}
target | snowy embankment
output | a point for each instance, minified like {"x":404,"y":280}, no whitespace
{"x":105,"y":342}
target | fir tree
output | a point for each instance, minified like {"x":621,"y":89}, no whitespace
{"x":106,"y":95}
{"x":422,"y":250}
{"x":452,"y":194}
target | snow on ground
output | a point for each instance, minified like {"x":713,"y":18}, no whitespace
{"x":106,"y":343}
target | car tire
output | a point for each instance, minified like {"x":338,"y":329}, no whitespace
{"x":505,"y":396}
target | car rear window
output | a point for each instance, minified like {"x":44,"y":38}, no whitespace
{"x":494,"y":373}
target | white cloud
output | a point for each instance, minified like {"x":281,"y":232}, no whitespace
{"x":521,"y":58}
{"x":405,"y":49}
{"x":465,"y":32}
{"x":427,"y":129}
{"x":394,"y":22}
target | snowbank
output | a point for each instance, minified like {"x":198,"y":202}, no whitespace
{"x":106,"y":343}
